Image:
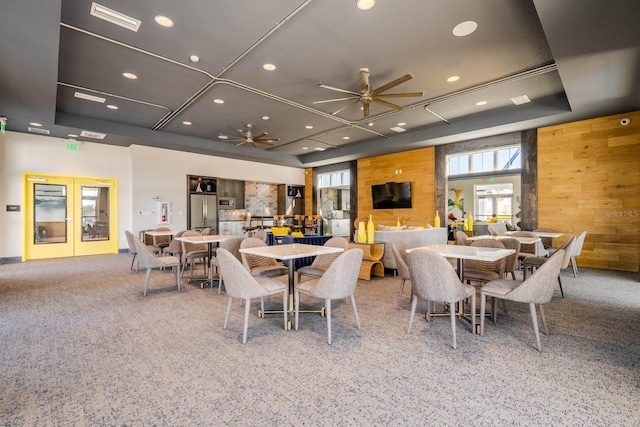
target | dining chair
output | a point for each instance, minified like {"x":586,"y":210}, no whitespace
{"x":434,"y":280}
{"x":484,"y":271}
{"x":534,"y":262}
{"x":322,"y":262}
{"x":462,"y":239}
{"x":192,"y":252}
{"x":338,"y":282}
{"x":260,"y":266}
{"x":526,"y":249}
{"x":536,"y":290}
{"x":175,"y":247}
{"x":161,"y":242}
{"x":399,"y":249}
{"x":260,"y":234}
{"x":239,"y":283}
{"x":150,"y":261}
{"x":511,"y":261}
{"x":132,"y":248}
{"x":233,"y":246}
{"x":577,"y":250}
{"x":205,"y":231}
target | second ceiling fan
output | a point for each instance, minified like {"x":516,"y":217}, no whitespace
{"x":367,"y":95}
{"x":248,"y":137}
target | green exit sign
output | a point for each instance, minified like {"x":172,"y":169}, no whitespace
{"x":73,"y":146}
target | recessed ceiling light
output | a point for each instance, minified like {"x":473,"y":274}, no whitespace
{"x":89,"y":97}
{"x":305,"y":148}
{"x":269,"y":67}
{"x":223,"y":136}
{"x":365,"y":4}
{"x":194,"y":58}
{"x":319,"y":148}
{"x":370,"y":123}
{"x":163,"y":21}
{"x":346,"y":137}
{"x":35,"y":124}
{"x":130,"y":76}
{"x":453,"y":79}
{"x":72,"y":135}
{"x":218,"y":101}
{"x":401,"y":124}
{"x":265,"y":117}
{"x":186,"y":123}
{"x":522,"y":99}
{"x":308,"y":127}
{"x":480,"y":103}
{"x":465,"y":28}
{"x":114,"y":17}
{"x":112,"y":107}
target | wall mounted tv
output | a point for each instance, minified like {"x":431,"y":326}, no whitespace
{"x":392,"y":195}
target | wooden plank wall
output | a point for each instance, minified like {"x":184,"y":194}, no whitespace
{"x":418,"y":167}
{"x":589,"y":179}
{"x":308,"y":192}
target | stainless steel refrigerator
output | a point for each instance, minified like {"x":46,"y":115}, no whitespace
{"x":203,"y":212}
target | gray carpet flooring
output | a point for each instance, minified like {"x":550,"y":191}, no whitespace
{"x":80,"y":345}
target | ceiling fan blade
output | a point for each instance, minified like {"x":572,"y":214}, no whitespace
{"x":336,"y":99}
{"x":260,"y":135}
{"x":266,"y":141}
{"x":387,"y":104}
{"x":399,"y":95}
{"x":366,"y":108}
{"x":345,"y":107}
{"x":336,"y":89}
{"x":365,"y":86}
{"x":241,"y":142}
{"x":393,"y":83}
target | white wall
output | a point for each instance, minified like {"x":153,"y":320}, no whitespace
{"x":142,"y":173}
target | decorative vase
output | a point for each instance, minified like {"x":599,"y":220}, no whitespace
{"x":362,"y":234}
{"x":436,"y":220}
{"x":470,"y":221}
{"x":398,"y":224}
{"x":370,"y":230}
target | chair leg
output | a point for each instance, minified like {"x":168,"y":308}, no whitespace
{"x":355,"y":310}
{"x":574,"y":265}
{"x":247,"y":307}
{"x":285,"y":304}
{"x":544,"y":320}
{"x":534,"y":319}
{"x":560,"y":282}
{"x":483,"y":303}
{"x":146,"y":281}
{"x":220,"y":283}
{"x":226,"y":318}
{"x":327,"y":305}
{"x":177,"y":271}
{"x":400,"y":294}
{"x":414,"y":303}
{"x":473,"y":313}
{"x":452,"y":312}
{"x":297,"y":308}
{"x":132,"y":261}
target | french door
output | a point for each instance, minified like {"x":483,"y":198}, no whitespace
{"x":69,"y":216}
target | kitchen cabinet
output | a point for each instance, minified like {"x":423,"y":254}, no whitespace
{"x":232,"y":188}
{"x":340,"y":227}
{"x":231,"y":228}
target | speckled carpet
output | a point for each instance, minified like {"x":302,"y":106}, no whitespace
{"x":80,"y":345}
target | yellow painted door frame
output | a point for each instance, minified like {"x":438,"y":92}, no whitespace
{"x":69,"y":236}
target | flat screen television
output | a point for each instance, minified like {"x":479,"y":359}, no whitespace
{"x":392,"y":195}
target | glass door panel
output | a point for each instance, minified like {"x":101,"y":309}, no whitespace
{"x":48,"y":218}
{"x":96,"y":207}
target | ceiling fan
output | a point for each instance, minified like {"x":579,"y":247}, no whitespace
{"x":249,"y":138}
{"x":368,"y":95}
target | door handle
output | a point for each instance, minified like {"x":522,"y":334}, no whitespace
{"x":69,"y":218}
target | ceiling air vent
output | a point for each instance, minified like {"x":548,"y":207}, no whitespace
{"x":89,"y":97}
{"x":94,"y":135}
{"x":39,"y":130}
{"x":522,"y":99}
{"x":398,"y":129}
{"x":114,"y":17}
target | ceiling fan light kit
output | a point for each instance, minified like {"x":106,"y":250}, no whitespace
{"x":367,"y":95}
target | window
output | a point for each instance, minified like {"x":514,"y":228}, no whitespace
{"x":494,"y":201}
{"x":503,"y":158}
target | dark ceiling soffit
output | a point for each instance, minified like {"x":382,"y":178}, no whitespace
{"x":146,"y":137}
{"x":460,"y":129}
